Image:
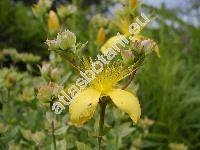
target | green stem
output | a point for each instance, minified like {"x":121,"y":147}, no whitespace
{"x":74,"y":17}
{"x":101,"y":121}
{"x":130,"y":79}
{"x":53,"y":135}
{"x":74,"y":66}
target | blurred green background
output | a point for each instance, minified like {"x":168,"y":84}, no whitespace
{"x":168,"y":87}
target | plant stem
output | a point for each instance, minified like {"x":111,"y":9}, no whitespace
{"x":53,"y":135}
{"x":74,"y":17}
{"x":101,"y":121}
{"x":74,"y":66}
{"x":130,"y":79}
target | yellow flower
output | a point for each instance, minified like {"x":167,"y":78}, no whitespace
{"x":53,"y":23}
{"x":123,"y":25}
{"x":146,"y":43}
{"x":84,"y":105}
{"x":109,"y":43}
{"x":101,"y":36}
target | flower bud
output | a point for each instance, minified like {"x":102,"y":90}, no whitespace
{"x":64,"y":11}
{"x":56,"y":73}
{"x":127,"y":56}
{"x":101,"y":36}
{"x":29,"y":58}
{"x":27,"y":94}
{"x":45,"y":69}
{"x":99,"y":20}
{"x":71,"y":9}
{"x":3,"y":128}
{"x":47,"y":92}
{"x":157,"y":50}
{"x":149,"y":45}
{"x":10,"y":80}
{"x":41,"y":7}
{"x":66,"y":40}
{"x":146,"y":44}
{"x":53,"y":23}
{"x":133,"y":3}
{"x":146,"y":122}
{"x":1,"y":55}
{"x":52,"y":44}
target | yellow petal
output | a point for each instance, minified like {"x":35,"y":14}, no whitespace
{"x":109,"y":43}
{"x":115,"y":40}
{"x":126,"y":102}
{"x":83,"y":106}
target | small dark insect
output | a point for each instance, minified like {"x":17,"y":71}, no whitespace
{"x":89,"y":104}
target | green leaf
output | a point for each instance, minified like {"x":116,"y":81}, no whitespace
{"x":61,"y":145}
{"x":66,"y":77}
{"x":106,"y":130}
{"x":139,"y":59}
{"x":157,"y":136}
{"x":67,"y":55}
{"x":126,"y":131}
{"x":82,"y":146}
{"x":50,"y":117}
{"x":70,"y":140}
{"x":9,"y":135}
{"x":92,"y":134}
{"x":80,"y":47}
{"x":148,"y":144}
{"x":61,"y":130}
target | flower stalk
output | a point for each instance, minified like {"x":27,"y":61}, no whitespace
{"x":53,"y":135}
{"x":103,"y":104}
{"x":130,"y":79}
{"x":74,"y":66}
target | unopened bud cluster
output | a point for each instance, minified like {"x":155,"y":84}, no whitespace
{"x":41,"y":7}
{"x":47,"y":92}
{"x":65,"y":11}
{"x":65,"y":40}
